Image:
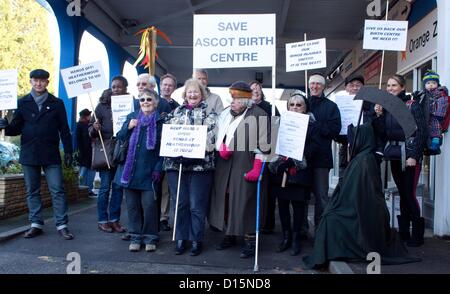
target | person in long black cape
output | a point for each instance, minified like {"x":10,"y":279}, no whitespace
{"x":356,"y":219}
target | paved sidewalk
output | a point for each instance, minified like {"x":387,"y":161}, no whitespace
{"x":106,"y":253}
{"x":435,"y":255}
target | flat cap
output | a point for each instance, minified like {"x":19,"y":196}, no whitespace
{"x":352,"y":78}
{"x":39,"y":74}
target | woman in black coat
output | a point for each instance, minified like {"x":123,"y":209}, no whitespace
{"x":297,"y":188}
{"x":405,"y":155}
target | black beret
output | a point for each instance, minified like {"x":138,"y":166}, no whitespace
{"x":39,"y":74}
{"x":85,"y":112}
{"x":350,"y":79}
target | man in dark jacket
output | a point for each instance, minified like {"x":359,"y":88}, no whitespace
{"x":167,"y":85}
{"x":353,"y":84}
{"x":41,"y":119}
{"x":328,"y":122}
{"x":84,"y":148}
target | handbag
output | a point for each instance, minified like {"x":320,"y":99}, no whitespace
{"x":98,"y":154}
{"x":120,"y":152}
{"x":393,"y":152}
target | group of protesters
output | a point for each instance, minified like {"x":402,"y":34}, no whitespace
{"x":220,"y":189}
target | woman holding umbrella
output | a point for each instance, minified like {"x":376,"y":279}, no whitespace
{"x":405,"y":155}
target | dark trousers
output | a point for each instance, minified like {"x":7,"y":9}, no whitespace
{"x":320,"y":191}
{"x":142,"y":216}
{"x":193,"y":202}
{"x":343,"y":160}
{"x":298,"y":208}
{"x":406,"y":182}
{"x":269,"y":222}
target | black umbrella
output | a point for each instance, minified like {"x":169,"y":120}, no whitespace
{"x":391,"y":103}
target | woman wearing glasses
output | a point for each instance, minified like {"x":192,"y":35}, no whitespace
{"x":142,"y":130}
{"x":297,"y":189}
{"x":197,"y":174}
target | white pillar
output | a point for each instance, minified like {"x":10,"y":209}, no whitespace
{"x":442,"y":184}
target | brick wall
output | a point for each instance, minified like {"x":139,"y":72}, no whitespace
{"x":13,"y":195}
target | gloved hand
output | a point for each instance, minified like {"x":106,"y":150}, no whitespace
{"x":224,"y":152}
{"x":435,"y":143}
{"x":97,"y":126}
{"x":292,"y":171}
{"x":68,"y":159}
{"x":156,"y":176}
{"x":286,"y":163}
{"x":3,"y":123}
{"x":253,"y":174}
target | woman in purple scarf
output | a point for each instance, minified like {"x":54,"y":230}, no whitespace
{"x":140,"y":171}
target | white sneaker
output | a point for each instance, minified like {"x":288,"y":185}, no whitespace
{"x":150,"y":247}
{"x":134,"y":247}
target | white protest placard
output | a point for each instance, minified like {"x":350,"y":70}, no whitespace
{"x":349,"y":110}
{"x":8,"y":89}
{"x":306,"y":55}
{"x":121,"y":106}
{"x":234,"y":40}
{"x":292,"y":135}
{"x":385,"y":35}
{"x":84,"y":78}
{"x":183,"y":140}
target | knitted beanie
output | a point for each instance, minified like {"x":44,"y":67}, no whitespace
{"x":430,"y":75}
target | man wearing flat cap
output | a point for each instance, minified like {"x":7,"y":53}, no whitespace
{"x":41,"y":119}
{"x":242,"y":131}
{"x":84,"y":151}
{"x":353,"y":84}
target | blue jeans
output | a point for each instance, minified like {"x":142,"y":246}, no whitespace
{"x":103,"y":201}
{"x":193,"y":203}
{"x":87,"y":176}
{"x":53,"y":175}
{"x":142,"y":216}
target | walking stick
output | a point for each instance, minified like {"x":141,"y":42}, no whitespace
{"x":178,"y":193}
{"x":258,"y":194}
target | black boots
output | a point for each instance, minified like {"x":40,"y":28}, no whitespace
{"x":403,"y":227}
{"x":296,"y":244}
{"x":415,"y":239}
{"x":227,"y":242}
{"x":180,"y":247}
{"x":286,"y":242}
{"x":248,"y":250}
{"x":418,"y":230}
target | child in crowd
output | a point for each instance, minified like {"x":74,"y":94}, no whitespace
{"x":438,"y":103}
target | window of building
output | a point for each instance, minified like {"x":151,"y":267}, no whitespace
{"x":91,"y":50}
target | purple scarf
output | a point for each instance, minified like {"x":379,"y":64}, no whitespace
{"x":148,"y":121}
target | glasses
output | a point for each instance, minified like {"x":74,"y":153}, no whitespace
{"x":142,"y":83}
{"x":148,"y":99}
{"x":296,"y":104}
